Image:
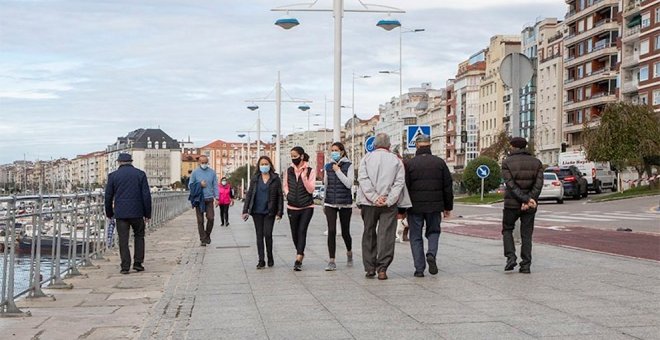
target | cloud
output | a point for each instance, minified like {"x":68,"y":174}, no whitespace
{"x":99,"y":69}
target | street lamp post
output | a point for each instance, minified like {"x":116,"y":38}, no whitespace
{"x":241,"y":136}
{"x":353,"y":118}
{"x":338,"y":11}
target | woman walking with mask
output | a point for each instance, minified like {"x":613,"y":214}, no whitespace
{"x":298,"y":188}
{"x":225,"y":200}
{"x":338,"y":181}
{"x":265,"y":203}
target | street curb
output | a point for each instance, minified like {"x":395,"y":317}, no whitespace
{"x":623,"y":198}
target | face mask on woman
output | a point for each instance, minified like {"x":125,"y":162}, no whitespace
{"x":296,"y":161}
{"x":224,"y":182}
{"x":335,"y":155}
{"x":264,"y":168}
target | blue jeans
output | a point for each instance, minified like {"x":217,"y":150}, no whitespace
{"x":416,"y":224}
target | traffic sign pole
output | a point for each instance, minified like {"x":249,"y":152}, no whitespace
{"x":482,"y":189}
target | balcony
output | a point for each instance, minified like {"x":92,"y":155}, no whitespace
{"x":596,"y":99}
{"x":600,"y":27}
{"x":595,"y":6}
{"x":632,"y":8}
{"x":590,"y":78}
{"x":631,"y":34}
{"x":630,"y":87}
{"x":598,"y":52}
{"x":630,"y":61}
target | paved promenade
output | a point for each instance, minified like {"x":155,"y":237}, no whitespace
{"x":192,"y":292}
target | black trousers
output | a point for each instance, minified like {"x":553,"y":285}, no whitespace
{"x":299,"y":220}
{"x":123,"y":230}
{"x":224,"y":213}
{"x":263,"y":225}
{"x":526,"y":230}
{"x":345,"y":221}
{"x":205,"y":233}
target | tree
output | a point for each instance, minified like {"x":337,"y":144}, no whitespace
{"x":498,"y":149}
{"x":237,"y":175}
{"x":472,"y":182}
{"x":628,"y":135}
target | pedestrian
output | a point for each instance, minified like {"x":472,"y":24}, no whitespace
{"x":225,"y":200}
{"x":128,"y":201}
{"x":338,"y":179}
{"x":204,"y":179}
{"x":523,"y":176}
{"x":382,"y":183}
{"x":298,"y":188}
{"x":430,"y":185}
{"x":264,"y":201}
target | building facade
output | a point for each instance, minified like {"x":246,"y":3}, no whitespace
{"x":435,"y":116}
{"x":590,"y":59}
{"x":364,"y":128}
{"x":225,"y":157}
{"x":153,"y":151}
{"x":451,"y":138}
{"x":549,"y":89}
{"x":492,"y":91}
{"x":467,"y":98}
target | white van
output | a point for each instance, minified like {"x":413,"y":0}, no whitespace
{"x":599,"y":175}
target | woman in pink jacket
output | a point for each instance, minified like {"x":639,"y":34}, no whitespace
{"x":298,"y":187}
{"x":225,"y":200}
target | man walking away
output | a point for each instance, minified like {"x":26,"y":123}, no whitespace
{"x":430,"y":186}
{"x":206,"y":178}
{"x":523,"y":175}
{"x":128,"y":189}
{"x":382,"y":187}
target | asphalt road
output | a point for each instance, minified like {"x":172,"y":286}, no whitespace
{"x":638,"y":214}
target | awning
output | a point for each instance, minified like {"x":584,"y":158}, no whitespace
{"x":636,"y":20}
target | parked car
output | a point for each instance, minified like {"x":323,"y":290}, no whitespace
{"x":574,"y":182}
{"x":553,"y":189}
{"x":599,"y":175}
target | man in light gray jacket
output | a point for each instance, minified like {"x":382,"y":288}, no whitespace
{"x":382,"y":190}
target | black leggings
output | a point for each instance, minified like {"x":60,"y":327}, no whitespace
{"x":345,"y":221}
{"x":263,"y":225}
{"x":299,"y":220}
{"x":224,"y":213}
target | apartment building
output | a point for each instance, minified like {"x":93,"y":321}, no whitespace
{"x":225,"y":157}
{"x":492,"y":90}
{"x":467,"y":87}
{"x":549,"y":89}
{"x":649,"y":53}
{"x":591,"y":56}
{"x":434,"y":116}
{"x":364,"y":128}
{"x":451,"y":138}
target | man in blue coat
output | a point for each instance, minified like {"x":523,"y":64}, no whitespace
{"x":128,"y":189}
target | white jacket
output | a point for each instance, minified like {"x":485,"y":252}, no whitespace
{"x":382,"y":173}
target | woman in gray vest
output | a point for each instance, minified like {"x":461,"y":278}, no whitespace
{"x":338,"y":180}
{"x":298,"y":185}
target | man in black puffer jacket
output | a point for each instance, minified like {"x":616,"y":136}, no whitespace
{"x":430,"y":187}
{"x":523,"y":175}
{"x":128,"y":200}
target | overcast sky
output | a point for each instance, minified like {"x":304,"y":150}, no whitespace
{"x":75,"y":75}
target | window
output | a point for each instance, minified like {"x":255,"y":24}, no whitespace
{"x":656,"y":70}
{"x":644,"y":47}
{"x":656,"y":97}
{"x":657,"y":15}
{"x":644,"y":73}
{"x":657,"y":42}
{"x":643,"y":99}
{"x":646,"y":20}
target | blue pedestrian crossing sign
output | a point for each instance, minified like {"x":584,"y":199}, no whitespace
{"x":369,"y":144}
{"x":416,"y":130}
{"x":483,"y":171}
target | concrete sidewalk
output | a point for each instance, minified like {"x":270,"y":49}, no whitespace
{"x":215,"y":292}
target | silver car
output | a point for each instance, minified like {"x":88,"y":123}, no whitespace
{"x":553,"y":189}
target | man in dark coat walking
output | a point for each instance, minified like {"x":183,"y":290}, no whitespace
{"x":128,"y":189}
{"x":430,"y":187}
{"x":523,"y":175}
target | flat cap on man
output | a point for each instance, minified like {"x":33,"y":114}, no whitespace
{"x":422,"y":138}
{"x":518,"y":142}
{"x":124,"y":157}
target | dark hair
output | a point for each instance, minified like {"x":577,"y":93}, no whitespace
{"x":341,"y":148}
{"x":299,"y":150}
{"x":224,"y":179}
{"x":272,"y":168}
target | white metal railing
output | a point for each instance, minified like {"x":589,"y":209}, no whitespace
{"x":43,"y":237}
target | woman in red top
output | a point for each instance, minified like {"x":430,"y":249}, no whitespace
{"x":298,"y":187}
{"x":225,"y":200}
